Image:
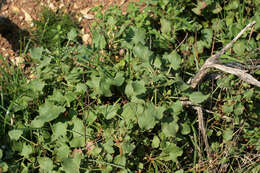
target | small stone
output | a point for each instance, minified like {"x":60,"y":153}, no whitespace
{"x":27,"y":18}
{"x":85,"y":11}
{"x":14,"y":9}
{"x":52,"y":7}
{"x":85,"y":38}
{"x":17,"y":60}
{"x":75,"y":6}
{"x":88,"y":16}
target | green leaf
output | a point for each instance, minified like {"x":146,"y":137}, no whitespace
{"x":134,"y":88}
{"x":70,"y":166}
{"x":3,"y":166}
{"x":72,"y":34}
{"x":120,"y":160}
{"x":59,"y":130}
{"x":119,"y":79}
{"x":185,"y":128}
{"x":36,"y":53}
{"x":104,"y":86}
{"x":172,"y":152}
{"x":110,"y":111}
{"x":239,"y":109}
{"x":165,"y":26}
{"x":81,"y":88}
{"x":207,"y":35}
{"x":177,"y":107}
{"x":228,"y":108}
{"x":15,"y":134}
{"x":63,"y":151}
{"x":151,"y":115}
{"x":99,"y":40}
{"x":48,"y":112}
{"x":46,"y":164}
{"x":1,"y":154}
{"x":233,"y":5}
{"x":91,"y":116}
{"x":170,"y":129}
{"x":156,"y":142}
{"x":27,"y":150}
{"x":197,"y":10}
{"x":175,"y":60}
{"x":78,"y":127}
{"x":77,"y":141}
{"x":217,"y":9}
{"x":228,"y":134}
{"x":142,"y":52}
{"x":128,"y":147}
{"x":198,"y":97}
{"x":146,"y":121}
{"x":139,"y":35}
{"x":131,"y":111}
{"x":36,"y":85}
{"x":108,"y":146}
{"x":239,"y":47}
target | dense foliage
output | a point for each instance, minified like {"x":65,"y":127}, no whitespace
{"x":116,"y":105}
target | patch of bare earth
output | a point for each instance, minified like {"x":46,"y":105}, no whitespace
{"x":17,"y":16}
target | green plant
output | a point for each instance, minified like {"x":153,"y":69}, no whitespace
{"x":118,"y":105}
{"x":52,"y":28}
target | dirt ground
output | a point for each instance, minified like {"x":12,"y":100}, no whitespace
{"x":16,"y":16}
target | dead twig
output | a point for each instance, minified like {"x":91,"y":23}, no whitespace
{"x":201,"y":124}
{"x":182,"y":41}
{"x":240,"y":73}
{"x":210,"y":62}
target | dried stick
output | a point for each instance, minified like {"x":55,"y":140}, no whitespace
{"x":240,"y":73}
{"x":202,"y":129}
{"x":213,"y":59}
{"x":201,"y":124}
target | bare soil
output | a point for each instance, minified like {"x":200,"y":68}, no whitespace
{"x":16,"y":17}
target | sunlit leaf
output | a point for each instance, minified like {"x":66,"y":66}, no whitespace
{"x":59,"y":130}
{"x":46,"y":164}
{"x":198,"y":97}
{"x":165,"y":26}
{"x":36,"y":53}
{"x":139,"y":36}
{"x":27,"y":150}
{"x":70,"y":166}
{"x":156,"y":142}
{"x":175,"y":60}
{"x":134,"y":88}
{"x":15,"y":134}
{"x":170,"y":129}
{"x":72,"y":34}
{"x":47,"y":112}
{"x":228,"y":134}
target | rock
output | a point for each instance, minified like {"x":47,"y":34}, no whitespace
{"x":85,"y":14}
{"x":88,"y":16}
{"x":15,"y":9}
{"x":86,"y":39}
{"x":27,"y":18}
{"x":85,"y":11}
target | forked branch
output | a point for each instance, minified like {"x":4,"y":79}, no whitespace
{"x":213,"y":62}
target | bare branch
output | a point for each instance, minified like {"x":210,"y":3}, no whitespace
{"x":213,"y":59}
{"x":240,"y":73}
{"x":202,"y":129}
{"x":201,"y":123}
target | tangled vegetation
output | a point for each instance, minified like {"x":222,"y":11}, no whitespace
{"x":118,"y":105}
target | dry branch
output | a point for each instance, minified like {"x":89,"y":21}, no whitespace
{"x":240,"y":73}
{"x":213,"y":59}
{"x":201,"y":124}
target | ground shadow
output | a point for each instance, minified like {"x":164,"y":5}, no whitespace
{"x":12,"y":32}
